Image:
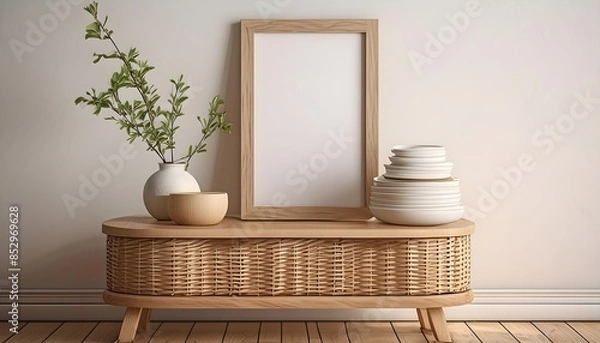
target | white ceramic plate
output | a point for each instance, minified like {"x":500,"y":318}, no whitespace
{"x":418,"y":207}
{"x":385,"y":182}
{"x":394,"y":170}
{"x":418,"y":192}
{"x":441,"y":196}
{"x":417,"y":217}
{"x":416,"y":176}
{"x":416,"y":160}
{"x":421,"y":167}
{"x":415,"y":198}
{"x":419,"y":150}
{"x":407,"y":202}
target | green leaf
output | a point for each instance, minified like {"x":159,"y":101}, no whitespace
{"x":92,"y":8}
{"x":181,"y":100}
{"x":93,"y":27}
{"x":92,"y":34}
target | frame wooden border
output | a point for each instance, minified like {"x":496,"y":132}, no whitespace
{"x":368,"y":27}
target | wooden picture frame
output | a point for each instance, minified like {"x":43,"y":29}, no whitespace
{"x":305,"y":84}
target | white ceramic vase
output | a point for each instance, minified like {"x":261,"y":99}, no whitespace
{"x":170,"y":178}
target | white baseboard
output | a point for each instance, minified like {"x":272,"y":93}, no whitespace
{"x":489,"y":304}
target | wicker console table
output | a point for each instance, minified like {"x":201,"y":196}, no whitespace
{"x":294,"y":264}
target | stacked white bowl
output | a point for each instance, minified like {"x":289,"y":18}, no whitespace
{"x":417,"y":188}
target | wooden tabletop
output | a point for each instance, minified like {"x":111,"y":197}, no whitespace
{"x":234,"y":228}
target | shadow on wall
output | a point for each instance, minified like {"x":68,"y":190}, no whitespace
{"x":227,"y":164}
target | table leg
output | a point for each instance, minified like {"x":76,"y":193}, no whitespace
{"x":130,"y":324}
{"x":145,"y":318}
{"x":423,"y":319}
{"x":437,"y":319}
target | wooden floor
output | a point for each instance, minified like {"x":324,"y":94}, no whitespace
{"x":306,"y":332}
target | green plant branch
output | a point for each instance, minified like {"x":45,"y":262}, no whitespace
{"x":216,"y":120}
{"x":172,"y":140}
{"x":139,"y":118}
{"x":174,"y":110}
{"x":136,"y":83}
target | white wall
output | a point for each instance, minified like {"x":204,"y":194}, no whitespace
{"x":491,"y":94}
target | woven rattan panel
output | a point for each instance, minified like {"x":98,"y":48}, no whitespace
{"x":272,"y":267}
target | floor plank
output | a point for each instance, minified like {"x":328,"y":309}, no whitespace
{"x":559,"y":332}
{"x":409,"y":332}
{"x":270,"y":332}
{"x":294,"y":332}
{"x":305,"y":332}
{"x":333,"y":332}
{"x":238,"y":332}
{"x":207,"y":332}
{"x":172,"y":332}
{"x":71,"y":332}
{"x":313,"y":332}
{"x":4,"y":330}
{"x":525,"y":332}
{"x":491,"y":332}
{"x":34,"y":332}
{"x":365,"y":332}
{"x":589,"y":330}
{"x":104,"y":332}
{"x":461,"y":333}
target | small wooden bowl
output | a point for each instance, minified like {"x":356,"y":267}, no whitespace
{"x":197,"y":208}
